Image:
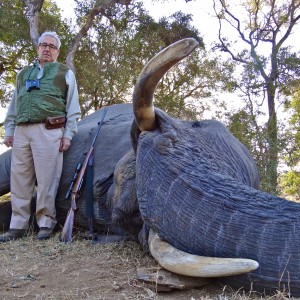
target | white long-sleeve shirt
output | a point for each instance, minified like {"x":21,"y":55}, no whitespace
{"x":72,"y":107}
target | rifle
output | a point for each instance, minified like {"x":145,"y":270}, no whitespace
{"x":75,"y":186}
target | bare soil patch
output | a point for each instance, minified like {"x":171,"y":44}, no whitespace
{"x":32,"y":269}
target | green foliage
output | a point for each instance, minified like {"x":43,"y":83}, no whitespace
{"x":177,"y":27}
{"x":14,"y":43}
{"x":111,"y":57}
{"x":245,"y":126}
{"x":290,"y":183}
{"x":187,"y":90}
{"x":241,"y":125}
{"x":269,"y":69}
{"x":104,"y":74}
{"x":1,"y":133}
{"x":12,"y":17}
{"x":16,"y":48}
{"x":106,"y":60}
{"x":291,"y":140}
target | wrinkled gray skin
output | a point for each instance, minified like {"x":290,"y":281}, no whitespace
{"x":193,"y":183}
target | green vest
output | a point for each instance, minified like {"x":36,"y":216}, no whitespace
{"x":49,"y":100}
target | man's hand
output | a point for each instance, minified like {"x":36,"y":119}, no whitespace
{"x":64,"y":144}
{"x":8,"y":141}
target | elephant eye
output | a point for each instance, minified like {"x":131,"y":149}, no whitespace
{"x":196,"y":124}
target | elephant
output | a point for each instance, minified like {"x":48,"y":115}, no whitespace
{"x":187,"y":191}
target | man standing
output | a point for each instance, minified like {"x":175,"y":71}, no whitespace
{"x":45,"y":89}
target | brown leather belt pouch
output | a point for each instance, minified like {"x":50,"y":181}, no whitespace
{"x":55,"y":122}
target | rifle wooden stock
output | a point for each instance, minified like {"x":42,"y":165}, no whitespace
{"x":66,"y":235}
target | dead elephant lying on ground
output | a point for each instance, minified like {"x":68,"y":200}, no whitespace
{"x":191,"y":183}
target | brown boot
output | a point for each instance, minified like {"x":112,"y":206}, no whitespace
{"x":12,"y":234}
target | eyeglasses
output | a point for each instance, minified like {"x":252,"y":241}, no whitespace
{"x":45,"y":45}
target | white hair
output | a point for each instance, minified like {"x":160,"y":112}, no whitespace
{"x":52,"y":34}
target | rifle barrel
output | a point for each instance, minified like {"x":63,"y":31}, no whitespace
{"x":68,"y":193}
{"x":99,"y":125}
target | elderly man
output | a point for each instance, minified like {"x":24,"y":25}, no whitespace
{"x":45,"y":89}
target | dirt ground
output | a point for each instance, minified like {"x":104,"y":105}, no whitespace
{"x":50,"y":269}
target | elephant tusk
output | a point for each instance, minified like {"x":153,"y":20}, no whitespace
{"x":183,"y":263}
{"x":150,"y":76}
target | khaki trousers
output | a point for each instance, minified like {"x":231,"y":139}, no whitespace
{"x":35,"y":159}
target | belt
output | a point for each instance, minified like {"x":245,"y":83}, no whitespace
{"x":29,"y":123}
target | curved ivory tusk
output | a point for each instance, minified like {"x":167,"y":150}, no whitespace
{"x":183,"y":263}
{"x":151,"y":75}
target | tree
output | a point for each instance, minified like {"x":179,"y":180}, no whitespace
{"x":16,"y":46}
{"x":268,"y":24}
{"x":243,"y":124}
{"x":290,"y":180}
{"x":108,"y":33}
{"x":103,"y":50}
{"x":106,"y":75}
{"x":290,"y":183}
{"x":104,"y":72}
{"x":34,"y":17}
{"x":292,"y":145}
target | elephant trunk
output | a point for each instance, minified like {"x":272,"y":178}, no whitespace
{"x":151,"y":75}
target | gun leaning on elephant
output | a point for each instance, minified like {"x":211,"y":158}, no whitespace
{"x":75,"y":186}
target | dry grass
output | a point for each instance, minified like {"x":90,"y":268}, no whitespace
{"x":5,"y":198}
{"x":81,"y":270}
{"x":32,"y":269}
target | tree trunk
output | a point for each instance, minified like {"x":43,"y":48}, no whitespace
{"x":272,"y":157}
{"x":33,"y":14}
{"x":96,"y":10}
